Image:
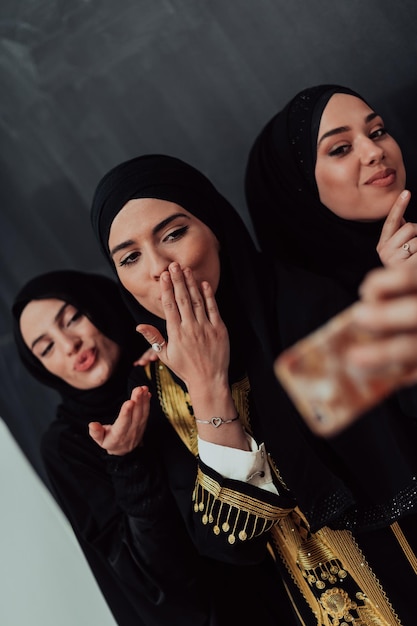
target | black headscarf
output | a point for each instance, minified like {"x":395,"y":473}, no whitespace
{"x":98,"y":297}
{"x":289,"y":219}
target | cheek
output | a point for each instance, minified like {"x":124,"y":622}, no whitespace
{"x":128,"y":278}
{"x":332,"y":183}
{"x":401,"y":173}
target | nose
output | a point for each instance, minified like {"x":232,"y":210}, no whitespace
{"x":70,"y":343}
{"x":157,"y":263}
{"x":371,"y":152}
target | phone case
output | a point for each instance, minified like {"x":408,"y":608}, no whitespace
{"x":328,"y":392}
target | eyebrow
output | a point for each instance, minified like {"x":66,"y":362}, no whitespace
{"x":343,"y":129}
{"x":56,"y":318}
{"x":155,"y":230}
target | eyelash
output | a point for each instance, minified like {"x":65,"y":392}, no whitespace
{"x":74,"y":318}
{"x":133,"y":257}
{"x":340,"y":150}
{"x":47,"y":349}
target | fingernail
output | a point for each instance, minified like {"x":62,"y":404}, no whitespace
{"x":404,"y":194}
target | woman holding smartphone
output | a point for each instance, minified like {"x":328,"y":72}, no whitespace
{"x":325,"y":186}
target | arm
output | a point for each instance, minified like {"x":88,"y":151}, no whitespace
{"x":197,"y":350}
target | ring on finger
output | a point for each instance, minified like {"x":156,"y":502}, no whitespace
{"x":157,"y":347}
{"x":406,"y":247}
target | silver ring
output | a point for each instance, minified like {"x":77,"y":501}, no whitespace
{"x":157,"y":347}
{"x":406,"y":247}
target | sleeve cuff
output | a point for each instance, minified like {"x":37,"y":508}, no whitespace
{"x":246,"y":466}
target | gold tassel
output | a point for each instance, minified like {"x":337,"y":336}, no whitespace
{"x":405,"y":546}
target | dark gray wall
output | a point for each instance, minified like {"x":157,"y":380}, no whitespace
{"x":85,"y":84}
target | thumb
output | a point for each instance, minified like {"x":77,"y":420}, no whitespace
{"x":152,"y":335}
{"x":96,"y":432}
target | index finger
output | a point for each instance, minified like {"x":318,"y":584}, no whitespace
{"x":395,"y":219}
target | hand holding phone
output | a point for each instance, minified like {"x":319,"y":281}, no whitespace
{"x":328,"y":391}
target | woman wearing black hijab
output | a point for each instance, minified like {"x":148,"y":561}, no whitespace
{"x":290,"y":220}
{"x":145,"y":214}
{"x":321,"y":178}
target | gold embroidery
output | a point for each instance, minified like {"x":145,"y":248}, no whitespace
{"x":231,"y":512}
{"x":176,"y":405}
{"x":324,"y":565}
{"x":320,"y":564}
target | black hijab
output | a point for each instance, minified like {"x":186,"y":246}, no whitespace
{"x":98,"y":297}
{"x":283,"y":200}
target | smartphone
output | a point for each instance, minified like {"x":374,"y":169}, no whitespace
{"x":329,"y":393}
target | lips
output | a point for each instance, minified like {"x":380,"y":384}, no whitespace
{"x":383,"y":178}
{"x":85,"y":360}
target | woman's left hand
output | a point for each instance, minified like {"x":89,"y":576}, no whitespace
{"x":197,"y":349}
{"x":398,"y":240}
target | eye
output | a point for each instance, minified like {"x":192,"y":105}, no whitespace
{"x":340,"y":150}
{"x":379,"y":132}
{"x":71,"y":316}
{"x":46,"y":350}
{"x":176,"y":234}
{"x":131,"y":258}
{"x":76,"y":316}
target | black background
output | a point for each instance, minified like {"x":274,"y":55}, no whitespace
{"x":85,"y":84}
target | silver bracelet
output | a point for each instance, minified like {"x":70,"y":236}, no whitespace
{"x":217,"y":421}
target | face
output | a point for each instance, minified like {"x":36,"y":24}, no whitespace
{"x":67,"y":344}
{"x":149,"y":234}
{"x":359,"y":170}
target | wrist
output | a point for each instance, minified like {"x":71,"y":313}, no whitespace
{"x":213,"y":401}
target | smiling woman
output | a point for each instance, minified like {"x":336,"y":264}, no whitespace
{"x":321,"y":178}
{"x":359,"y":167}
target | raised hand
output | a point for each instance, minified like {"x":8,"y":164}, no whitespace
{"x":197,"y":350}
{"x":126,"y":433}
{"x":398,"y":241}
{"x":198,"y":345}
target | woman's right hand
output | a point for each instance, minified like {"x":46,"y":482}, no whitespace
{"x":126,"y":432}
{"x":398,"y":240}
